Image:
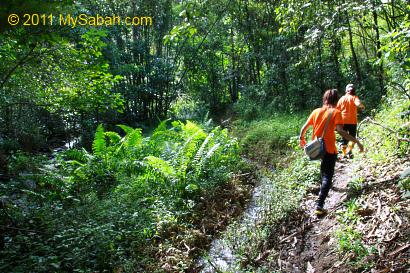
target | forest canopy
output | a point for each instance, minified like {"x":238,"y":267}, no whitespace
{"x":257,"y":56}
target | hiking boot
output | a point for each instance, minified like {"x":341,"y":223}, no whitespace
{"x":320,"y":211}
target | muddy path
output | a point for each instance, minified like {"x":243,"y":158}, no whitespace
{"x":302,"y":242}
{"x":306,"y":244}
{"x":299,"y":241}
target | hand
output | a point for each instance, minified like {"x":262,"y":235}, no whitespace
{"x":302,"y":143}
{"x":360,"y":146}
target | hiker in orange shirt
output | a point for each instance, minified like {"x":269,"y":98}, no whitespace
{"x":348,"y":105}
{"x":318,"y":119}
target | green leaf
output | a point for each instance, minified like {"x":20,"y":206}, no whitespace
{"x":99,"y":144}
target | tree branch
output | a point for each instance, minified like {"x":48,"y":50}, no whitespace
{"x":396,"y":133}
{"x":19,"y":63}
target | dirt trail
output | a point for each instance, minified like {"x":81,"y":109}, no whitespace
{"x":306,"y":244}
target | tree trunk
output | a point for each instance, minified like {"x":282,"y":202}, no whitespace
{"x":352,"y":49}
{"x":378,"y":45}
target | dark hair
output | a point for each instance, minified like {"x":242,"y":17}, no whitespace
{"x":350,"y":89}
{"x":330,"y":97}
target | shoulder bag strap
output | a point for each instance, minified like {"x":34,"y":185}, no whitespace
{"x":327,"y":123}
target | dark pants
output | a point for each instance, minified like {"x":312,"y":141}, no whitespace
{"x":351,"y":129}
{"x":327,"y":169}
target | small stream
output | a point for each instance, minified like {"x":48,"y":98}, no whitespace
{"x":67,"y":145}
{"x":221,"y":255}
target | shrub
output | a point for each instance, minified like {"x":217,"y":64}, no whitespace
{"x":108,"y":209}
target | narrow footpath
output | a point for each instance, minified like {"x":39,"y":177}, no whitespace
{"x":307,"y":245}
{"x":302,"y":242}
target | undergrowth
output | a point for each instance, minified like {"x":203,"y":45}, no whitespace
{"x":266,"y":140}
{"x":381,"y":137}
{"x":394,"y":114}
{"x":114,"y":209}
{"x":350,"y":239}
{"x":280,"y":194}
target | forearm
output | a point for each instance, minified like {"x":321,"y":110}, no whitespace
{"x":360,"y":105}
{"x":302,"y":141}
{"x":303,"y":131}
{"x":346,"y":135}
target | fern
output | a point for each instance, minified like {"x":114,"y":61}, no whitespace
{"x":184,"y":155}
{"x":201,"y":150}
{"x":77,"y":155}
{"x":134,"y":138}
{"x":212,"y":150}
{"x":114,"y":137}
{"x":161,"y":166}
{"x":99,"y":144}
{"x":162,"y":127}
{"x":125,"y":128}
{"x":203,"y":159}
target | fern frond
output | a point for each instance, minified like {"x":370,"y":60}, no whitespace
{"x":212,"y":150}
{"x":125,"y":128}
{"x":99,"y":143}
{"x":134,"y":138}
{"x":161,"y":127}
{"x":199,"y":154}
{"x":114,"y":137}
{"x":77,"y":155}
{"x":208,"y":123}
{"x":186,"y":149}
{"x":161,"y":166}
{"x":88,"y":156}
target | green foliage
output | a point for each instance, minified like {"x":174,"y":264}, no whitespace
{"x":281,"y":193}
{"x":397,"y":55}
{"x":355,"y":186}
{"x":404,"y":183}
{"x":350,"y":240}
{"x":21,"y":162}
{"x":265,"y":139}
{"x":44,"y":108}
{"x":99,"y":144}
{"x":393,"y":115}
{"x":185,"y":108}
{"x":104,"y":210}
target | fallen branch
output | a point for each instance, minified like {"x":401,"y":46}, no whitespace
{"x":400,"y":249}
{"x":396,"y":133}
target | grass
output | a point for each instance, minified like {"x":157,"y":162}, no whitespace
{"x":271,"y":142}
{"x":281,"y":193}
{"x":266,"y":140}
{"x":393,"y":114}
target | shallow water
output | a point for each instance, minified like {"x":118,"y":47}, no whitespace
{"x":221,"y":255}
